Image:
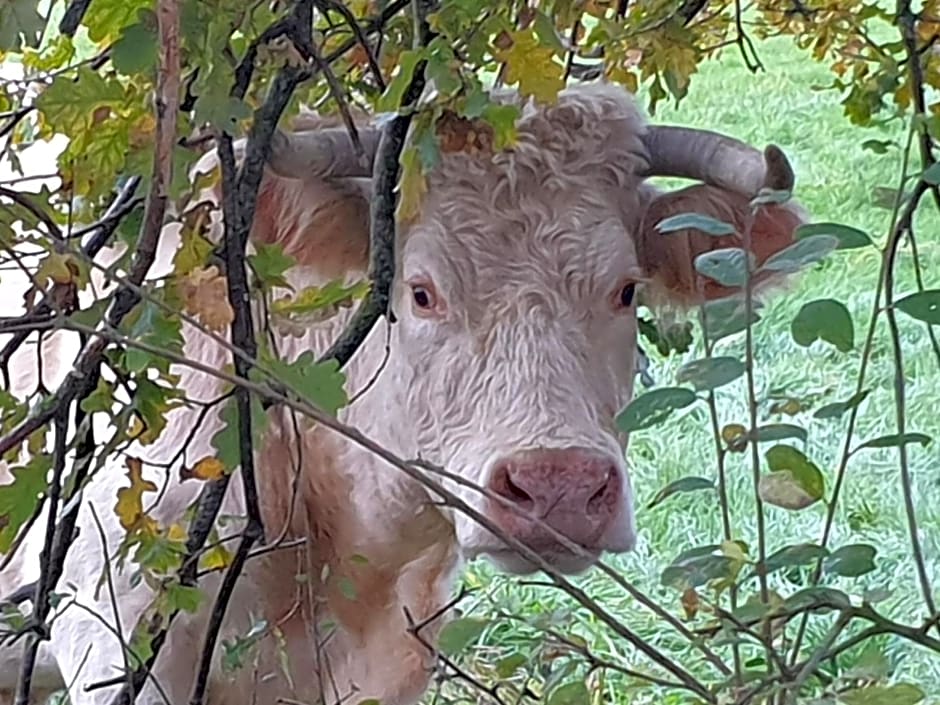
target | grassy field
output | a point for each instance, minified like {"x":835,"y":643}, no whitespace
{"x":836,"y":178}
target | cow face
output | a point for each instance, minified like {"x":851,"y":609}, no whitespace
{"x":517,"y":323}
{"x":516,"y":307}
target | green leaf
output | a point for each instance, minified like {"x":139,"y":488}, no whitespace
{"x":898,"y":694}
{"x":796,"y":555}
{"x":667,"y":336}
{"x":507,"y":666}
{"x":502,"y":118}
{"x":225,"y":440}
{"x":184,"y":597}
{"x":695,"y":221}
{"x":878,"y":146}
{"x":426,"y":141}
{"x":851,"y":561}
{"x":99,"y":400}
{"x":408,"y":60}
{"x":794,"y":481}
{"x":69,"y":104}
{"x":442,"y":67}
{"x":802,"y":253}
{"x":320,"y":383}
{"x":837,"y":409}
{"x":778,"y":432}
{"x":573,"y":693}
{"x":825,"y":319}
{"x":698,"y":566}
{"x":896,"y":439}
{"x":653,"y":407}
{"x":235,"y":652}
{"x":727,"y":316}
{"x":872,"y":665}
{"x":459,"y":634}
{"x":932,"y":174}
{"x":710,"y":373}
{"x":817,"y":599}
{"x":18,"y":499}
{"x":327,"y":298}
{"x":270,"y":264}
{"x":347,"y":588}
{"x":135,"y":51}
{"x":151,"y":324}
{"x":924,"y":306}
{"x":727,"y":265}
{"x":684,"y":484}
{"x":106,"y":18}
{"x":215,"y":106}
{"x":19,"y":20}
{"x":546,"y":32}
{"x":767,"y":196}
{"x":848,"y":237}
{"x":152,"y":403}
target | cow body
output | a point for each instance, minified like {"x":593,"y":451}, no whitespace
{"x":511,"y":355}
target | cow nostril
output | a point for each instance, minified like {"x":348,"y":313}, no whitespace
{"x":600,"y":498}
{"x":516,"y":493}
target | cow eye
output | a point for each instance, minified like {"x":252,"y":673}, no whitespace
{"x":422,"y":296}
{"x":626,"y":295}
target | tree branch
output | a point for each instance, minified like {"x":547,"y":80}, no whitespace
{"x":382,"y":224}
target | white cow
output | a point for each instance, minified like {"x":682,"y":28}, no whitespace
{"x":512,"y":353}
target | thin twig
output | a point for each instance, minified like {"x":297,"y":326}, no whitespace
{"x":24,"y":201}
{"x":50,"y":569}
{"x":360,"y":37}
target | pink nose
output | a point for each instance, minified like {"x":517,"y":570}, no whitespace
{"x":575,"y":491}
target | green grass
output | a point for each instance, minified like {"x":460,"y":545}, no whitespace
{"x":835,"y":181}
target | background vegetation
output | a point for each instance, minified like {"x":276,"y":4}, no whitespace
{"x":838,"y":90}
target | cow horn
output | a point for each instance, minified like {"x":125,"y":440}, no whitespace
{"x":323,"y":153}
{"x":716,"y":159}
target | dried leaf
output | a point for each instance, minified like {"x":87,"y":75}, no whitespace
{"x":207,"y":468}
{"x":130,"y":505}
{"x":205,"y":295}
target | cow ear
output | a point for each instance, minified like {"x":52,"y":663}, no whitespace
{"x":668,"y":257}
{"x":322,"y":223}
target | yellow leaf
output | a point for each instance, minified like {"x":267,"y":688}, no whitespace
{"x":130,"y":500}
{"x":626,"y":78}
{"x":216,"y":558}
{"x":176,"y":532}
{"x":904,"y":95}
{"x":411,"y":185}
{"x":533,"y":66}
{"x":733,"y":550}
{"x":205,"y":295}
{"x":208,"y":468}
{"x":735,"y":436}
{"x":57,"y":267}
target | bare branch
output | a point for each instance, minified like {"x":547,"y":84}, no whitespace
{"x":74,"y":14}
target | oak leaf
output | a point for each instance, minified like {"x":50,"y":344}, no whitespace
{"x":205,"y":295}
{"x":130,"y":500}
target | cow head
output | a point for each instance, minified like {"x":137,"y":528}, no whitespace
{"x":515,"y":298}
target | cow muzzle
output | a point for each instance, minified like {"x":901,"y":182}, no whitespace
{"x":578,"y":493}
